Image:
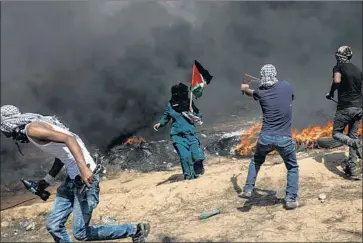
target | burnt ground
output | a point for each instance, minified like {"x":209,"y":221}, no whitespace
{"x":158,"y":155}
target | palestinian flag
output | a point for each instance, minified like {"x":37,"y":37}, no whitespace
{"x":200,"y":79}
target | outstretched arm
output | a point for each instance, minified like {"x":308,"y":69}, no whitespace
{"x":43,"y":131}
{"x":246,"y":88}
{"x":165,"y":118}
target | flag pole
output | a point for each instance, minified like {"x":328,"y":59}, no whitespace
{"x":191,"y":92}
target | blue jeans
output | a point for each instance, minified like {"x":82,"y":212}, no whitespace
{"x":68,"y":200}
{"x":285,"y":147}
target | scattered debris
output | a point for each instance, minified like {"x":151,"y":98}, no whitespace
{"x":108,"y":220}
{"x":322,"y":197}
{"x":4,"y":224}
{"x":27,"y":224}
{"x":209,"y":213}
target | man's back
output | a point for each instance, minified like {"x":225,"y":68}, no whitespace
{"x":276,"y":105}
{"x":350,"y":88}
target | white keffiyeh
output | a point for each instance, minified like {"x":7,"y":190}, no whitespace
{"x":268,"y":75}
{"x":11,"y":118}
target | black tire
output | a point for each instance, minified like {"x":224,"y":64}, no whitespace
{"x":328,"y":143}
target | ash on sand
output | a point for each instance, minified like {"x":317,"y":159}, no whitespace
{"x":161,"y":155}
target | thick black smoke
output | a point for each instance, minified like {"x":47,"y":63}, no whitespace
{"x":106,"y":68}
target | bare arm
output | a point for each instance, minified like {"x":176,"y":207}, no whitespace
{"x":335,"y":84}
{"x":246,"y":88}
{"x":43,"y":131}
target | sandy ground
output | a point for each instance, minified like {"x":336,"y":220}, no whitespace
{"x":173,"y":208}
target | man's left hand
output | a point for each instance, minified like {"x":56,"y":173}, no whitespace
{"x":244,"y":87}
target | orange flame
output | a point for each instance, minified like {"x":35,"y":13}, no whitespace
{"x":135,"y":140}
{"x":307,"y":137}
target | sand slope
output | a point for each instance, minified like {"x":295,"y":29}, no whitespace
{"x":173,"y":208}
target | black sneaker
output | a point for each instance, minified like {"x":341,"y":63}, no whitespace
{"x":245,"y":194}
{"x":141,"y":234}
{"x":347,"y":171}
{"x":355,"y":174}
{"x":359,"y":148}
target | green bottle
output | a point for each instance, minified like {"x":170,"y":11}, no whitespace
{"x":209,"y":213}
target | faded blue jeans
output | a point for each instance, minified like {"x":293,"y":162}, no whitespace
{"x":285,"y":147}
{"x":68,"y":200}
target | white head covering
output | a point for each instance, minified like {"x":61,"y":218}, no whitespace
{"x":268,"y":75}
{"x":12,"y":118}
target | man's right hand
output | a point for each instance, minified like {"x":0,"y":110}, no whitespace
{"x":87,"y":176}
{"x":156,"y":126}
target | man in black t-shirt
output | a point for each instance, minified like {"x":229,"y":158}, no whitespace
{"x":347,"y":79}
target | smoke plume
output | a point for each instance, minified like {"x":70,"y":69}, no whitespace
{"x":106,"y":68}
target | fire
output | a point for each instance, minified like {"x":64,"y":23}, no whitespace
{"x":306,"y":138}
{"x":135,"y":140}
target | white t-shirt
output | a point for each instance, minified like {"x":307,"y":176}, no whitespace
{"x":61,"y":151}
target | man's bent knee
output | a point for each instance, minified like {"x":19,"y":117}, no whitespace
{"x":52,"y":225}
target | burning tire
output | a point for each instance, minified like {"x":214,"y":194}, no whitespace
{"x":328,"y":143}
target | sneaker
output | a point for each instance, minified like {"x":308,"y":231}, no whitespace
{"x":291,"y":204}
{"x":355,"y":174}
{"x":245,"y":194}
{"x":142,"y":232}
{"x":347,"y":171}
{"x":359,"y":148}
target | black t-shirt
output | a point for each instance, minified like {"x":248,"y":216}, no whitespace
{"x":276,"y":105}
{"x":350,"y":87}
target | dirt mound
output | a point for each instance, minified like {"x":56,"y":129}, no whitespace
{"x":173,"y":208}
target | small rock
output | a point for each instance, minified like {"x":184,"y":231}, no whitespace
{"x":108,"y":220}
{"x":30,"y":226}
{"x":234,"y":158}
{"x":203,"y":135}
{"x":322,"y":197}
{"x":169,"y":166}
{"x":4,"y":224}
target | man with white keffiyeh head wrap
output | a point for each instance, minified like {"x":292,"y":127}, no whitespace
{"x":12,"y":118}
{"x":51,"y":136}
{"x":275,"y":99}
{"x":268,"y":75}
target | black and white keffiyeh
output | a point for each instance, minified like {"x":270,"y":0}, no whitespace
{"x":268,"y":75}
{"x":11,"y":118}
{"x":343,"y":54}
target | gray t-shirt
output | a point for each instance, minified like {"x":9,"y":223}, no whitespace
{"x":276,"y":105}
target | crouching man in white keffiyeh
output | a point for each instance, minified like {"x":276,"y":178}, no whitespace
{"x":51,"y":136}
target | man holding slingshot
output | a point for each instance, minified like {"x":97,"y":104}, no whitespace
{"x":347,"y":79}
{"x":275,"y":98}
